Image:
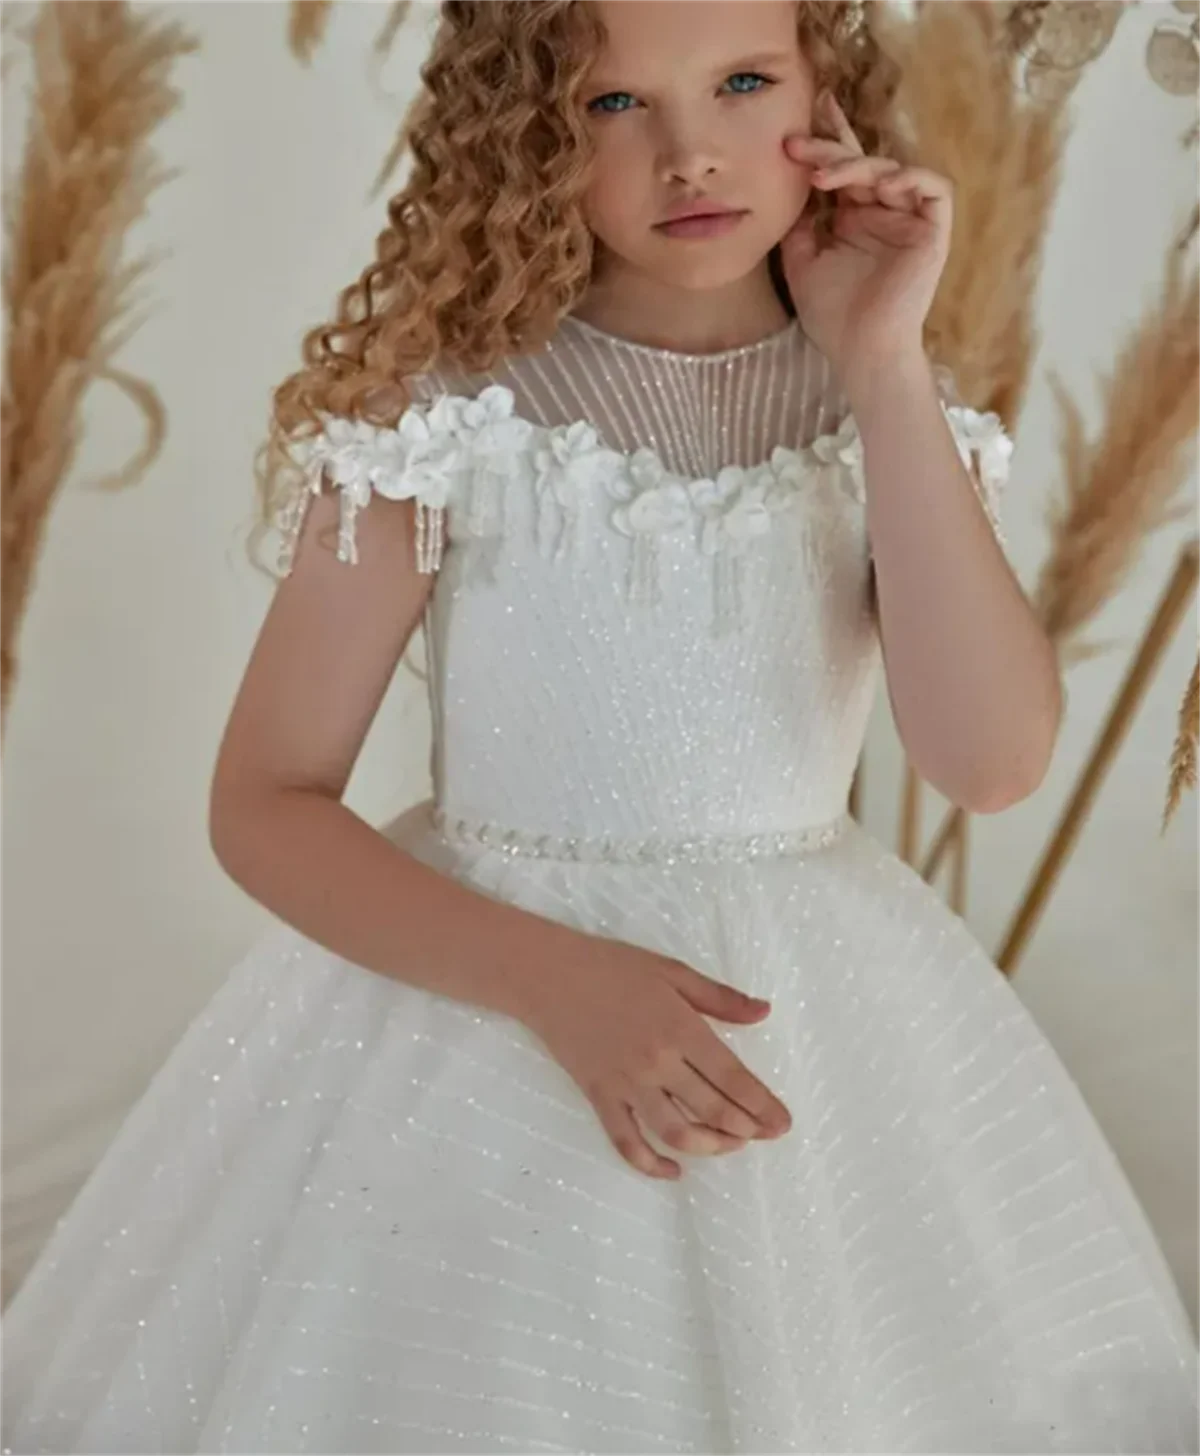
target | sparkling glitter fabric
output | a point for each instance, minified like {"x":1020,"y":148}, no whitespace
{"x":349,"y":1216}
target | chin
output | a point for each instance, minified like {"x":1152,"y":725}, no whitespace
{"x":705,"y":269}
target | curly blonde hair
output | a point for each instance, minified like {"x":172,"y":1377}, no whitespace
{"x":486,"y":247}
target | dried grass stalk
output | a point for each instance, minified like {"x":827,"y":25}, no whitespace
{"x":1188,"y":236}
{"x":307,"y":23}
{"x":1125,"y":483}
{"x":1183,"y":759}
{"x":396,"y":16}
{"x":969,"y":120}
{"x":100,"y":88}
{"x":13,"y":34}
{"x":1022,"y":23}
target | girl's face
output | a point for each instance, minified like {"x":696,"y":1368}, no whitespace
{"x":689,"y":104}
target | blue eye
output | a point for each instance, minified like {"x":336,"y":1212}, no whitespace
{"x":741,"y":83}
{"x":600,"y":104}
{"x":757,"y":82}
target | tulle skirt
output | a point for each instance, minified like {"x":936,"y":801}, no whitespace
{"x":351,"y":1216}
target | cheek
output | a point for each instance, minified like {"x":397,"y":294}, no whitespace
{"x":789,"y":115}
{"x":612,"y":195}
{"x":778,"y":181}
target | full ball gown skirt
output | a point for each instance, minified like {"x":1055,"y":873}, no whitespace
{"x":351,"y":1216}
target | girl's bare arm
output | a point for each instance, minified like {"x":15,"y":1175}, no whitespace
{"x":627,"y":1024}
{"x":326,"y":653}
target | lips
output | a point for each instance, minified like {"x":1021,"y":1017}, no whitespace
{"x":701,"y":221}
{"x":691,"y":211}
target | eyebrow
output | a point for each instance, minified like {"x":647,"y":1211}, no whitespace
{"x":760,"y":60}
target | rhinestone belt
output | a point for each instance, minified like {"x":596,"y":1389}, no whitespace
{"x":651,"y":849}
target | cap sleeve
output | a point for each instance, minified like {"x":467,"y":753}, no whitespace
{"x":984,"y":446}
{"x":426,"y":458}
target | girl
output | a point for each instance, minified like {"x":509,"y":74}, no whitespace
{"x":629,"y":1096}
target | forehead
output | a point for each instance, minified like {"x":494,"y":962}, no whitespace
{"x":693,"y":35}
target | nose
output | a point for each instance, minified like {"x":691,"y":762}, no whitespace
{"x":686,"y":155}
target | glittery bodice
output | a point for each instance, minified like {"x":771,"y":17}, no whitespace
{"x":653,"y":617}
{"x":566,"y":702}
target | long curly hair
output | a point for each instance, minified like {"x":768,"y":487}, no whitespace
{"x":486,"y":247}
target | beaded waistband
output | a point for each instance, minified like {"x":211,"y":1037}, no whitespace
{"x":651,"y":849}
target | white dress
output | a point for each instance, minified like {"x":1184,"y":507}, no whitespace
{"x":351,"y":1216}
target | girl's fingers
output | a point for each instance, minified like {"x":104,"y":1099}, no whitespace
{"x":920,"y":191}
{"x":839,"y":123}
{"x":882,"y":180}
{"x":718,"y":1064}
{"x":818,"y":151}
{"x":858,"y":171}
{"x":670,"y":1122}
{"x":710,"y":1106}
{"x":879,"y":230}
{"x":626,"y":1136}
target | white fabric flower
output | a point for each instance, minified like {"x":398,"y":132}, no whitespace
{"x":641,"y":471}
{"x":491,"y":427}
{"x":843,"y":448}
{"x":347,"y":450}
{"x":421,"y":460}
{"x":736,"y":507}
{"x":468,"y":415}
{"x":983,"y":436}
{"x":653,"y":500}
{"x":569,"y":458}
{"x":789,"y":468}
{"x":665,"y":508}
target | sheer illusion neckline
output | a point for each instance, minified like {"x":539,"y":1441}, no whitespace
{"x":760,"y":346}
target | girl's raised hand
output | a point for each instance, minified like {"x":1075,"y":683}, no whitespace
{"x":863,"y":298}
{"x":628,"y":1026}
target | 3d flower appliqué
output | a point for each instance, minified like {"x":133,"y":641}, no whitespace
{"x":566,"y":464}
{"x":841,"y":448}
{"x":653,"y":502}
{"x":464,"y":458}
{"x":737,"y":506}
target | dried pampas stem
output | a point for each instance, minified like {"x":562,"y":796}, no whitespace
{"x":397,"y":15}
{"x":146,"y":399}
{"x":961,"y":97}
{"x":960,"y":878}
{"x":910,"y":815}
{"x":308,"y":21}
{"x":1172,"y":605}
{"x":394,"y":21}
{"x":947,"y":835}
{"x":13,"y":36}
{"x":1183,"y":759}
{"x":856,"y":790}
{"x":1126,"y":484}
{"x":1188,"y":235}
{"x":100,"y":88}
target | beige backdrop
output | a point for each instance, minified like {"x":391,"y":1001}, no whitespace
{"x":118,"y":925}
